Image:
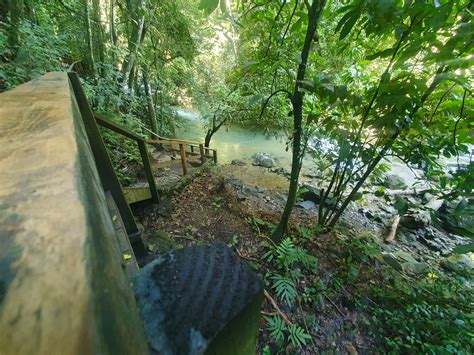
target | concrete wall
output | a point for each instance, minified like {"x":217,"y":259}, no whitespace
{"x":62,"y":287}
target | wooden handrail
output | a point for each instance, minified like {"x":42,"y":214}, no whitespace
{"x":101,"y":120}
{"x":104,"y":122}
{"x":203,"y":151}
{"x":176,"y":141}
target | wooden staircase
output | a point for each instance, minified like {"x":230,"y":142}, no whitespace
{"x":183,"y":147}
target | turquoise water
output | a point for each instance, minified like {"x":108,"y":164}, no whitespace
{"x":232,"y":142}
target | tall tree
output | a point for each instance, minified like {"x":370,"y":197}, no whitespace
{"x":314,"y":15}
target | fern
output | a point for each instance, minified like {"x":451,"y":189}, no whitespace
{"x":297,"y":335}
{"x":286,"y":255}
{"x":285,"y":288}
{"x":277,"y":327}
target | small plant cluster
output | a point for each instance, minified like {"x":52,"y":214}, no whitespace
{"x":430,"y":314}
{"x":288,"y":262}
{"x":125,"y":157}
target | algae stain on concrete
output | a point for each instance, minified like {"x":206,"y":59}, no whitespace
{"x":9,"y":250}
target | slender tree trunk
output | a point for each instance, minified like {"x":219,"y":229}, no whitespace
{"x":15,"y":10}
{"x":314,"y":14}
{"x":138,"y":21}
{"x":98,"y":35}
{"x":151,"y":108}
{"x":162,"y":112}
{"x":89,"y":39}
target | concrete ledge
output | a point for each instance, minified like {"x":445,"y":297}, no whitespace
{"x":62,"y":287}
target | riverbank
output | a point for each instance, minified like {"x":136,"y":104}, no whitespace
{"x":355,"y":274}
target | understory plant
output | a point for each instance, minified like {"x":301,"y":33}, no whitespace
{"x":288,"y":264}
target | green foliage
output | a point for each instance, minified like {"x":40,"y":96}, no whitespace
{"x":423,"y":317}
{"x":285,"y":288}
{"x":430,"y":314}
{"x":297,"y":336}
{"x":40,"y":51}
{"x":286,"y":256}
{"x":278,"y":329}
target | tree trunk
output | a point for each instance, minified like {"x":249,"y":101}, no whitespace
{"x":98,"y":35}
{"x":151,"y":108}
{"x":207,"y":139}
{"x":138,"y":21}
{"x":90,"y":47}
{"x":314,"y":14}
{"x":15,"y":9}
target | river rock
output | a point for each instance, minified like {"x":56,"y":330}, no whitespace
{"x":306,"y":205}
{"x":263,"y":159}
{"x":415,"y":267}
{"x":417,"y":219}
{"x":400,"y":176}
{"x":238,"y":162}
{"x":394,"y":182}
{"x":434,"y":204}
{"x":462,"y":264}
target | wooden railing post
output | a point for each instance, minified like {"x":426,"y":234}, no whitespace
{"x":148,"y":171}
{"x":203,"y":155}
{"x":182,"y":152}
{"x":214,"y":154}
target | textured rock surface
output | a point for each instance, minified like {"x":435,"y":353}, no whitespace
{"x":263,"y":159}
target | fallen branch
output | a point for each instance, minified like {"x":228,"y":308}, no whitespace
{"x":239,"y":253}
{"x":274,"y":304}
{"x":393,"y":230}
{"x":335,"y":305}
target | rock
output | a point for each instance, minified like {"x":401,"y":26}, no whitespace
{"x":462,"y":264}
{"x":434,"y":204}
{"x":404,"y":256}
{"x":415,"y":267}
{"x":306,"y":205}
{"x":160,"y":156}
{"x":238,"y":162}
{"x":263,"y":159}
{"x":281,"y":171}
{"x":417,"y":219}
{"x":400,"y":176}
{"x":394,"y":182}
{"x":436,"y":241}
{"x":310,"y":193}
{"x":391,"y":260}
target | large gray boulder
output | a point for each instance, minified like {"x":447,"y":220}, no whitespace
{"x":263,"y":159}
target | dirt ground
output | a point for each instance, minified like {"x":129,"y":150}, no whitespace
{"x":222,"y":206}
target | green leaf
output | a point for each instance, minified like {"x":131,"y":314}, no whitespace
{"x":382,"y":54}
{"x":401,"y":205}
{"x":208,"y":6}
{"x":464,"y":249}
{"x":380,"y":192}
{"x":298,"y":58}
{"x":346,"y":29}
{"x":357,"y":196}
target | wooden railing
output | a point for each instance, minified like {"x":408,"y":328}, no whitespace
{"x":180,"y":146}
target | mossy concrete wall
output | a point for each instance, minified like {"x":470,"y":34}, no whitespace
{"x":62,"y":287}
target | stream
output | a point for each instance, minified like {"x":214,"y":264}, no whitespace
{"x":235,"y":142}
{"x":232,"y":142}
